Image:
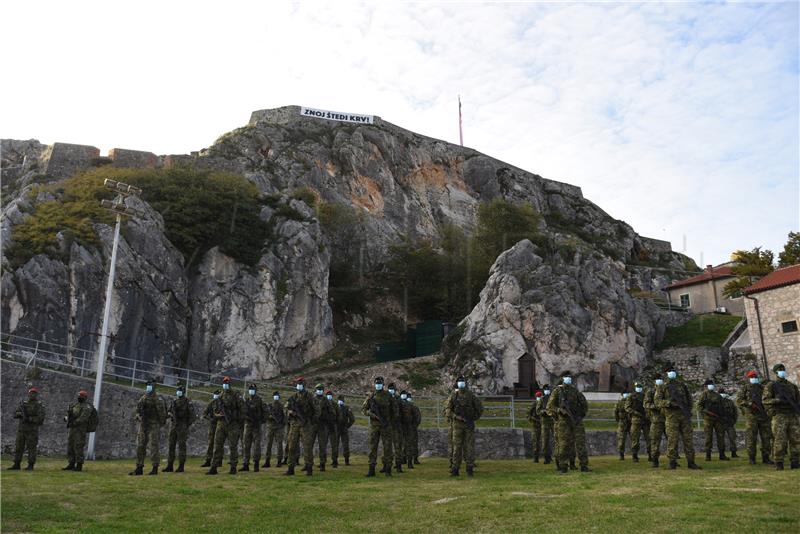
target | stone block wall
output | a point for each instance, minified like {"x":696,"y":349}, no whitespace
{"x":776,"y":306}
{"x":123,"y":157}
{"x":64,"y":159}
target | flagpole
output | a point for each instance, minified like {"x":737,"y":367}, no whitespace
{"x":460,"y":131}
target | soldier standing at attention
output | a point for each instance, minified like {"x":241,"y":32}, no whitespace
{"x":379,"y":408}
{"x":657,"y":420}
{"x":781,"y":398}
{"x":416,"y":420}
{"x":301,"y":411}
{"x":333,"y":429}
{"x":324,"y":419}
{"x":466,"y":408}
{"x":151,"y":413}
{"x":449,"y":418}
{"x":254,"y":417}
{"x":640,"y":424}
{"x":345,"y":421}
{"x":276,"y":421}
{"x":568,"y":406}
{"x":229,"y":414}
{"x":208,"y":414}
{"x":31,"y":416}
{"x":710,"y":405}
{"x":675,"y":401}
{"x":547,"y":425}
{"x":623,"y":424}
{"x":536,"y":426}
{"x":729,"y":418}
{"x":757,"y":421}
{"x":406,"y":422}
{"x":397,"y":430}
{"x":78,"y":421}
{"x":181,"y":414}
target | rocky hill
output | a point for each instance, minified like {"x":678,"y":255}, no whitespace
{"x":565,"y":299}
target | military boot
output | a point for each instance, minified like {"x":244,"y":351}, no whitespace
{"x":383,"y":469}
{"x":290,"y":471}
{"x":309,"y":470}
{"x":621,"y":456}
{"x":246,"y":466}
{"x":795,"y":464}
{"x":322,"y":467}
{"x":416,"y":461}
{"x":547,"y":460}
{"x":752,"y":459}
{"x":470,"y":471}
{"x":255,"y":466}
{"x":636,"y":457}
{"x":536,"y":458}
{"x":673,"y":464}
{"x":693,"y":465}
{"x":78,"y":466}
{"x":139,"y":470}
{"x":30,"y":467}
{"x":371,"y":472}
{"x":267,"y":464}
{"x":734,"y":455}
{"x":398,"y":466}
{"x":168,"y":469}
{"x":233,"y":469}
{"x":654,"y":463}
{"x":180,"y":467}
{"x":765,"y":459}
{"x":14,"y":467}
{"x":410,"y":464}
{"x":346,"y":460}
{"x":154,"y":470}
{"x":454,"y":472}
{"x":585,"y":469}
{"x":70,"y":467}
{"x":207,"y":463}
{"x":562,"y":469}
{"x":335,"y":464}
{"x":388,"y":469}
{"x":708,"y":456}
{"x":212,"y":471}
{"x":723,"y":457}
{"x":779,"y":466}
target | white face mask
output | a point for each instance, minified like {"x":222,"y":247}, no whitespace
{"x":319,"y":392}
{"x":341,"y":403}
{"x":625,"y":395}
{"x":659,"y":382}
{"x":251,"y":392}
{"x":179,"y":394}
{"x":461,"y":385}
{"x":300,"y":387}
{"x":378,"y":387}
{"x":710,"y":387}
{"x":409,"y":399}
{"x":226,"y":386}
{"x":329,"y":397}
{"x":276,"y":397}
{"x":672,"y":375}
{"x":754,"y":380}
{"x":639,"y":390}
{"x":391,"y":392}
{"x":216,"y":396}
{"x":568,"y":380}
{"x":781,"y":374}
{"x":149,"y":389}
{"x":404,"y":397}
{"x":547,"y":392}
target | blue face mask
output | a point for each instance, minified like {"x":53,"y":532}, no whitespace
{"x":659,"y":382}
{"x":547,"y":392}
{"x":672,"y":375}
{"x":639,"y":390}
{"x":404,"y":396}
{"x":391,"y":392}
{"x":568,"y":380}
{"x":179,"y":394}
{"x":252,"y":392}
{"x":329,"y":397}
{"x":216,"y":396}
{"x":781,"y":374}
{"x":319,"y":392}
{"x":754,"y":381}
{"x":276,"y":397}
{"x":710,"y":387}
{"x":300,"y":387}
{"x":625,"y":395}
{"x":378,"y":387}
{"x":226,"y":386}
{"x":461,"y":385}
{"x":341,"y":403}
{"x":409,"y":399}
{"x":149,"y":389}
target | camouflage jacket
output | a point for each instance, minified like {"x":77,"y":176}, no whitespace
{"x":774,"y":394}
{"x":397,"y":420}
{"x":673,"y":398}
{"x":416,"y":416}
{"x":729,"y":413}
{"x":406,"y":413}
{"x":533,"y":413}
{"x":208,"y":413}
{"x":301,"y":408}
{"x":464,"y":406}
{"x":181,"y":412}
{"x":151,"y":410}
{"x":634,"y":406}
{"x":379,"y":408}
{"x":750,"y":401}
{"x":346,"y":417}
{"x":334,"y":423}
{"x":325,"y":414}
{"x":255,"y":412}
{"x":78,"y":414}
{"x":566,"y":398}
{"x":710,"y":404}
{"x":30,"y":413}
{"x":276,"y":417}
{"x":654,"y":413}
{"x":541,"y":409}
{"x":229,"y":408}
{"x":620,"y":414}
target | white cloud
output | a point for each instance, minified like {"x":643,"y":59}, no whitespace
{"x":681,"y":119}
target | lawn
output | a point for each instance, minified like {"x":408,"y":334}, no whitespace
{"x":504,"y":496}
{"x":707,"y":330}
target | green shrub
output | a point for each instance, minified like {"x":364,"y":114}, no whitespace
{"x":307,"y":195}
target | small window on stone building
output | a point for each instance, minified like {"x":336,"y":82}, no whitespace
{"x":787,"y":327}
{"x":685,"y":300}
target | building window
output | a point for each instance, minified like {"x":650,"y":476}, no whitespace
{"x":788,"y":327}
{"x":685,"y":300}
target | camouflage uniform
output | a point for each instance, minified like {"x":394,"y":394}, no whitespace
{"x":229,"y":413}
{"x":254,"y":417}
{"x":77,"y":421}
{"x":710,"y":405}
{"x":657,"y":423}
{"x":568,"y":406}
{"x":31,"y":414}
{"x":208,"y":414}
{"x":757,"y":421}
{"x":181,"y":414}
{"x":729,"y":418}
{"x":406,"y":430}
{"x":466,"y":408}
{"x":548,"y":430}
{"x":333,"y":432}
{"x":379,"y":408}
{"x":640,"y":424}
{"x":416,"y":420}
{"x":623,"y":425}
{"x":302,"y":412}
{"x":346,"y":420}
{"x":448,"y":417}
{"x":397,"y":433}
{"x":276,"y":423}
{"x":326,"y":418}
{"x":536,"y":428}
{"x":673,"y":398}
{"x":151,"y":413}
{"x":785,"y":419}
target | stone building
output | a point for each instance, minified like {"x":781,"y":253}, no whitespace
{"x":702,"y":293}
{"x":773,"y":319}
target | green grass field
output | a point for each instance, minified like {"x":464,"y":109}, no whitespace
{"x":504,"y":496}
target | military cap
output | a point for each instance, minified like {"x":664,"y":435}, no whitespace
{"x":379,"y":380}
{"x":778,"y":367}
{"x":752,"y":374}
{"x":392,"y":386}
{"x":658,"y":375}
{"x":300,"y":380}
{"x":275,"y":393}
{"x":566,"y":373}
{"x":404,"y":392}
{"x":461,"y":378}
{"x":83,"y":393}
{"x":180,"y":388}
{"x":708,"y":381}
{"x":539,"y":393}
{"x":638,"y":385}
{"x":226,"y":379}
{"x":546,"y":386}
{"x":319,"y":386}
{"x":329,"y":392}
{"x":33,"y":390}
{"x":251,"y":386}
{"x":216,"y":392}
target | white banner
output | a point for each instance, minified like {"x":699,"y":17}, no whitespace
{"x":336,"y":115}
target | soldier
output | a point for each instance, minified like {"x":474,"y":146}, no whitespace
{"x":302,"y":413}
{"x":536,"y":426}
{"x":466,"y":408}
{"x":623,"y":420}
{"x":276,"y":422}
{"x":324,"y":419}
{"x":710,"y":405}
{"x":781,"y":398}
{"x":397,"y":430}
{"x":31,"y":416}
{"x":416,"y":420}
{"x":208,"y":415}
{"x":448,"y":417}
{"x":228,"y":412}
{"x":757,"y":421}
{"x":568,"y":406}
{"x":333,"y":429}
{"x":254,"y":417}
{"x":548,"y":425}
{"x":78,"y":420}
{"x":406,"y":422}
{"x":640,"y":424}
{"x":345,"y":421}
{"x":657,"y":420}
{"x":181,"y":414}
{"x":378,"y":407}
{"x":675,"y":401}
{"x":151,"y":414}
{"x":729,"y":418}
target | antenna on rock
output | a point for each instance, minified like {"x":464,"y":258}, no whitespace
{"x":460,"y":132}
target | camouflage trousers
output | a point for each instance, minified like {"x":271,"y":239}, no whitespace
{"x":320,"y":437}
{"x":679,"y":429}
{"x":178,"y":434}
{"x":275,"y":435}
{"x":785,"y":431}
{"x":333,"y":442}
{"x":658,"y":429}
{"x":536,"y":437}
{"x":548,"y":434}
{"x":730,"y":434}
{"x":382,"y":434}
{"x":712,"y":426}
{"x":296,"y":432}
{"x":623,"y":431}
{"x":76,"y":441}
{"x":571,"y":439}
{"x":408,"y":435}
{"x":463,"y":445}
{"x":27,"y":438}
{"x":212,"y":430}
{"x":398,"y":443}
{"x":450,"y":442}
{"x":753,"y":428}
{"x":640,"y":427}
{"x":148,"y":435}
{"x":343,"y":438}
{"x":251,"y":442}
{"x":230,"y":433}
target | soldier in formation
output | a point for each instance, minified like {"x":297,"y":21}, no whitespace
{"x":406,"y":430}
{"x":254,"y":417}
{"x":465,"y":409}
{"x":781,"y":399}
{"x":640,"y":422}
{"x":325,"y":419}
{"x":181,"y":416}
{"x":536,"y":426}
{"x":228,"y":412}
{"x":31,"y":414}
{"x":710,"y":405}
{"x":729,"y":418}
{"x":333,"y":429}
{"x":548,"y":425}
{"x":208,"y":415}
{"x":151,"y":415}
{"x":79,"y":421}
{"x":568,"y":407}
{"x":757,"y":420}
{"x":675,"y":401}
{"x":397,"y":429}
{"x":302,"y":414}
{"x":276,"y":423}
{"x":345,"y":421}
{"x":657,"y":420}
{"x":378,"y":407}
{"x":416,"y":420}
{"x":623,"y":420}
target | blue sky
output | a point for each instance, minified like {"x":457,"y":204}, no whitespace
{"x":680,"y":118}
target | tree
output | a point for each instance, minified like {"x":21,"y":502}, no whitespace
{"x":791,"y":251}
{"x":750,"y":266}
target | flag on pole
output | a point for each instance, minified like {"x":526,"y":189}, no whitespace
{"x":460,"y":132}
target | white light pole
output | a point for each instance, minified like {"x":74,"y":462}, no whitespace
{"x":119,"y":208}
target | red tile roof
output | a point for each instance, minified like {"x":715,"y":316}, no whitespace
{"x":785,"y":276}
{"x":714,"y":274}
